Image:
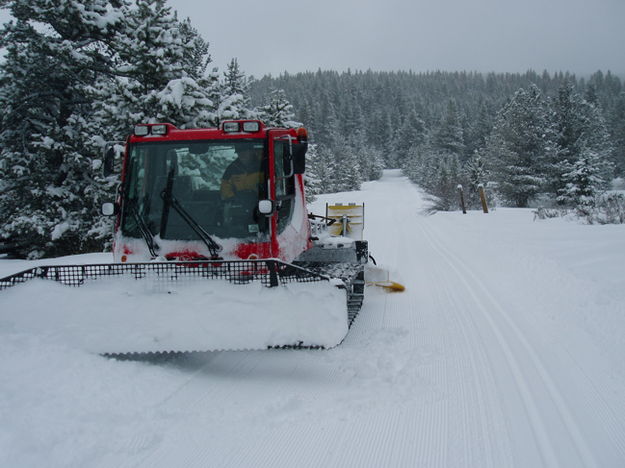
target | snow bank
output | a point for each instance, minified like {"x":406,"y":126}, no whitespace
{"x":127,"y":315}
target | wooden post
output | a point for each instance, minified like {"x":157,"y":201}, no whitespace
{"x":462,"y":205}
{"x":480,"y":189}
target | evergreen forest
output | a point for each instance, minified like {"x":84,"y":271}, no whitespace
{"x":548,"y":140}
{"x":77,"y":75}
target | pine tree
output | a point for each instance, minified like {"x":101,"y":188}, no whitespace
{"x":185,"y":103}
{"x":278,"y":112}
{"x":579,"y":127}
{"x":196,"y":57}
{"x":411,"y":134}
{"x":48,"y":162}
{"x":584,"y":181}
{"x":347,"y":174}
{"x":321,"y":166}
{"x":617,"y":130}
{"x":159,"y":73}
{"x":370,"y":162}
{"x":449,"y":136}
{"x":387,"y":99}
{"x":313,"y":180}
{"x":479,"y":129}
{"x":380,"y":132}
{"x":234,"y":101}
{"x":476,"y":174}
{"x":78,"y":74}
{"x":567,"y":128}
{"x":517,"y":148}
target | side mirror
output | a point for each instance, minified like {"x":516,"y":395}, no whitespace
{"x":299,"y":157}
{"x":265,"y":207}
{"x":109,"y":162}
{"x":109,"y":209}
{"x":111,"y":157}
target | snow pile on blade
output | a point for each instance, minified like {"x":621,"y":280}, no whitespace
{"x":118,"y":315}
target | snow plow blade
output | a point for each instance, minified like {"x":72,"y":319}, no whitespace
{"x":180,"y":306}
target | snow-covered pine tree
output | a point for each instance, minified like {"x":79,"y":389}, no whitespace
{"x":447,"y":188}
{"x":370,"y":162}
{"x":380,"y":133}
{"x":187,"y":100}
{"x":476,"y":174}
{"x":234,"y":102}
{"x":347,"y":174}
{"x":439,"y":175}
{"x":412,"y":133}
{"x":479,"y":129}
{"x":449,"y":136}
{"x":516,"y":149}
{"x":313,"y":179}
{"x":197,"y":57}
{"x":158,"y":75}
{"x":185,"y":103}
{"x":436,"y":171}
{"x":92,"y":70}
{"x":321,"y":166}
{"x":54,"y":51}
{"x":414,"y":165}
{"x":579,"y":127}
{"x":278,"y":112}
{"x":583,"y":181}
{"x":617,"y":130}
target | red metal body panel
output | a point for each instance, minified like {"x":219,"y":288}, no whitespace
{"x":285,"y":245}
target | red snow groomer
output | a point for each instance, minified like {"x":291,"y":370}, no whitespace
{"x":220,"y":207}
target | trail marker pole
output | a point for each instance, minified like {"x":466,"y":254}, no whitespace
{"x":480,"y":189}
{"x":462,"y":205}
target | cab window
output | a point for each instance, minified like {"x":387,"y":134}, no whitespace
{"x":285,"y":183}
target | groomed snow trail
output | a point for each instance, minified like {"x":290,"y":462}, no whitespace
{"x":479,"y":363}
{"x":449,"y":373}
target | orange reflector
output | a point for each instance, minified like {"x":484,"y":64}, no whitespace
{"x":389,"y":286}
{"x":124,"y":258}
{"x":302,"y":134}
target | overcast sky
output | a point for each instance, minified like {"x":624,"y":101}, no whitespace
{"x":273,"y":36}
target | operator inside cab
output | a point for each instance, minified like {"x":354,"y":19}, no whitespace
{"x":242,"y":185}
{"x":245,"y":173}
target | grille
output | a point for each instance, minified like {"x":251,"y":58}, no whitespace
{"x":269,"y":272}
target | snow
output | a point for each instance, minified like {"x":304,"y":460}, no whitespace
{"x":505,"y":350}
{"x":194,"y":315}
{"x":10,"y":266}
{"x":59,"y":230}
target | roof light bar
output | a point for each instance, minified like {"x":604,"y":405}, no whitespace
{"x":160,"y":129}
{"x":251,"y":127}
{"x":141,"y":130}
{"x":231,"y":127}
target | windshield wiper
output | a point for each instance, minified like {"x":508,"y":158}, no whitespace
{"x":169,"y":200}
{"x":166,"y":195}
{"x":144,"y":230}
{"x":141,"y":224}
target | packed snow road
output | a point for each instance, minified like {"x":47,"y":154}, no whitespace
{"x":505,"y":350}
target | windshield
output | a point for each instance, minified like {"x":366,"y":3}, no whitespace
{"x":218,"y":183}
